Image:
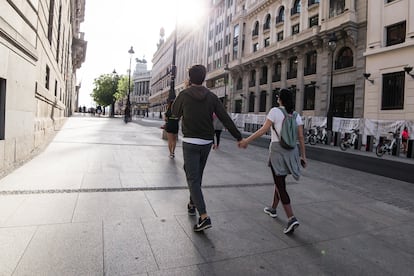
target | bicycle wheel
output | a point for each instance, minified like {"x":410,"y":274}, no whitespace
{"x":379,"y":150}
{"x":312,"y":140}
{"x":343,"y":145}
{"x":306,"y":139}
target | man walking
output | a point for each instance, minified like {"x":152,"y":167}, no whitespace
{"x":196,"y":105}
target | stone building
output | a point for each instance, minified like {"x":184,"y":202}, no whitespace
{"x":41,"y":48}
{"x":190,"y":50}
{"x":389,"y":88}
{"x":140,"y":93}
{"x":315,"y":48}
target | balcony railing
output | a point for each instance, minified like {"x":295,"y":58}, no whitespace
{"x":309,"y":70}
{"x":263,"y":81}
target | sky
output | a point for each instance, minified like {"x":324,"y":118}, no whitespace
{"x":111,"y":27}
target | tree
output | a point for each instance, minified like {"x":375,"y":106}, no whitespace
{"x":105,"y":91}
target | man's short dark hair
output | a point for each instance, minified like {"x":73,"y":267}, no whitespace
{"x":197,"y":74}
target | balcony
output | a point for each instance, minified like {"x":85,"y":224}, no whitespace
{"x":310,"y":70}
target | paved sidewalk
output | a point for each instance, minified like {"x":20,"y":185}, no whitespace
{"x":105,"y":199}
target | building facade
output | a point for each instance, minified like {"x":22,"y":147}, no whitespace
{"x":389,"y":88}
{"x":140,"y":93}
{"x":190,"y":50}
{"x":314,"y":48}
{"x":41,"y":48}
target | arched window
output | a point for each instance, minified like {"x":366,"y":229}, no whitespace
{"x":345,"y":58}
{"x":281,"y":15}
{"x":255,"y":29}
{"x":296,"y":7}
{"x":266,"y":25}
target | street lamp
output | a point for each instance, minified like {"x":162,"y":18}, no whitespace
{"x":115,"y":82}
{"x":332,"y":46}
{"x":226,"y":69}
{"x":128,"y":104}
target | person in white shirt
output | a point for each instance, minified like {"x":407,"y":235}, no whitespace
{"x":282,"y":161}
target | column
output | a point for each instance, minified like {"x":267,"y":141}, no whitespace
{"x":269,"y":96}
{"x":257,"y":89}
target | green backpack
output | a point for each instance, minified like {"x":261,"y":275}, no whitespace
{"x":289,"y":133}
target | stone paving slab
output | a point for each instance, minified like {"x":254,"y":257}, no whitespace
{"x":64,"y":249}
{"x":121,"y":210}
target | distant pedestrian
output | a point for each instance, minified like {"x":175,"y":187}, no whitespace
{"x":196,"y":105}
{"x":404,"y":136}
{"x":218,"y":128}
{"x":282,"y":161}
{"x":171,"y":127}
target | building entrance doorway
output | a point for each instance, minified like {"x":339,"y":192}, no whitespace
{"x":343,"y":101}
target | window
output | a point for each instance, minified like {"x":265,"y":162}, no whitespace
{"x":280,"y":36}
{"x":393,"y":91}
{"x":3,"y":108}
{"x":310,"y":63}
{"x":251,"y":102}
{"x":266,"y":25}
{"x":267,"y":42}
{"x":312,"y":2}
{"x":255,"y":29}
{"x":255,"y":47}
{"x":50,"y":22}
{"x":47,"y":78}
{"x":314,"y":21}
{"x":336,"y":7}
{"x":281,"y":16}
{"x":262,"y":104}
{"x":252,"y":81}
{"x":396,"y":34}
{"x":263,"y":79}
{"x":56,"y":88}
{"x":296,"y":8}
{"x":275,"y":97}
{"x":277,"y":72}
{"x":295,"y":29}
{"x":345,"y":58}
{"x":293,"y":68}
{"x":239,"y":85}
{"x":58,"y":37}
{"x":309,"y":98}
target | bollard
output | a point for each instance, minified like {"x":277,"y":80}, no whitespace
{"x":410,"y":149}
{"x":337,"y":138}
{"x":370,"y":143}
{"x":329,"y":137}
{"x":396,"y":148}
{"x":358,"y":143}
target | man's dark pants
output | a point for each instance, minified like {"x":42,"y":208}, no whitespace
{"x":195,"y":159}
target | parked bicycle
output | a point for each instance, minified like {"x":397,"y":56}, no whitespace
{"x":308,"y":134}
{"x":316,"y":135}
{"x":387,"y":145}
{"x":350,"y":140}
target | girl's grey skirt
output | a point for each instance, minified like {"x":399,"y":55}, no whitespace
{"x":284,"y":161}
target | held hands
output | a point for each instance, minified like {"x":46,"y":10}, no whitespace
{"x":242,"y":144}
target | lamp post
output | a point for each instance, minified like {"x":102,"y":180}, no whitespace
{"x":226,"y":69}
{"x":128,"y":104}
{"x":173,"y":71}
{"x":332,"y":47}
{"x":115,"y":81}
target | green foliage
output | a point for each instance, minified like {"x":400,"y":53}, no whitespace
{"x":123,"y":88}
{"x":106,"y":87}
